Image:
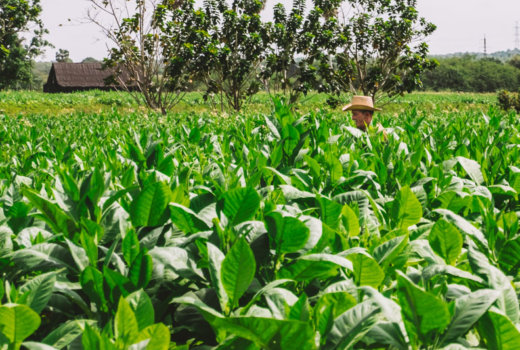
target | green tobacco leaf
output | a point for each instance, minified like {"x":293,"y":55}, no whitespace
{"x":286,"y":234}
{"x":350,"y":221}
{"x":472,"y":168}
{"x":125,"y":324}
{"x":158,"y":335}
{"x":29,"y":345}
{"x":498,"y":331}
{"x":446,"y":241}
{"x":367,"y":271}
{"x":239,"y":204}
{"x":468,"y":310}
{"x":92,"y":339}
{"x":330,"y":212}
{"x":423,"y":313}
{"x":407,"y":210}
{"x":92,"y":283}
{"x":387,"y":252}
{"x":507,"y":301}
{"x":269,"y":333}
{"x":309,"y":267}
{"x":66,"y":333}
{"x":238,"y":270}
{"x":186,"y":219}
{"x":130,"y":247}
{"x":53,"y":215}
{"x":330,"y":306}
{"x":150,"y":207}
{"x":141,"y":270}
{"x":216,"y":257}
{"x":463,"y":225}
{"x":38,"y":291}
{"x":142,"y":307}
{"x":18,"y":322}
{"x":350,"y":327}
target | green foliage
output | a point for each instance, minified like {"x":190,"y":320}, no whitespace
{"x":255,"y":230}
{"x":18,"y":16}
{"x":471,"y":74}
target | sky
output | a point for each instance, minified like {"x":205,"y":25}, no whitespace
{"x":461,"y":26}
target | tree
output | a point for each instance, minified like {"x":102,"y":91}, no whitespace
{"x":16,"y":55}
{"x":381,"y":50}
{"x":515,"y":61}
{"x":148,"y":37}
{"x":89,"y":60}
{"x":63,"y":56}
{"x":235,"y":50}
{"x":299,"y":49}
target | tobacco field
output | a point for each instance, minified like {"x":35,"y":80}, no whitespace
{"x":280,"y":230}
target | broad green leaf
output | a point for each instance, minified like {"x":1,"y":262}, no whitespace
{"x":472,"y":168}
{"x":286,"y":234}
{"x":92,"y":283}
{"x":446,"y":241}
{"x":17,"y":322}
{"x":330,"y":212}
{"x":468,"y":310}
{"x":142,"y":307}
{"x":126,"y":329}
{"x":42,"y":256}
{"x":92,"y":339}
{"x":350,"y":221}
{"x":53,"y":215}
{"x":463,"y":225}
{"x":158,"y":335}
{"x":216,"y":257}
{"x":66,"y":333}
{"x":239,"y":204}
{"x":269,"y":333}
{"x":238,"y":270}
{"x":38,"y":291}
{"x":367,"y":271}
{"x":386,"y":253}
{"x":186,"y":219}
{"x":350,"y":327}
{"x":407,"y":210}
{"x":29,"y":345}
{"x":141,"y":269}
{"x":150,"y":207}
{"x":507,"y":301}
{"x":424,"y":315}
{"x":130,"y":247}
{"x":309,"y":267}
{"x":498,"y":331}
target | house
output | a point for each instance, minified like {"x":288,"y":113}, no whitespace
{"x":70,"y":77}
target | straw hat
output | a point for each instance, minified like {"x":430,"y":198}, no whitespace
{"x":363,"y":103}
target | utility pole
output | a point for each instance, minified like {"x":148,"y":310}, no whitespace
{"x":517,"y":36}
{"x":485,"y":46}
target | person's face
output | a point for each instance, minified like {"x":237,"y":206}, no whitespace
{"x":362,"y":119}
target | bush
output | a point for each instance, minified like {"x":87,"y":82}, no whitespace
{"x":509,"y":100}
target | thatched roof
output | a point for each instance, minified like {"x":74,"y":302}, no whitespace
{"x":79,"y":76}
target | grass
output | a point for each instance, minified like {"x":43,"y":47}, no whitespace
{"x":13,"y":103}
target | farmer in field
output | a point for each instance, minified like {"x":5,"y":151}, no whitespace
{"x":363,"y":109}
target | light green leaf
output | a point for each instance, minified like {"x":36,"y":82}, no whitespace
{"x":407,"y":210}
{"x":446,"y":241}
{"x":142,"y":307}
{"x":18,"y":322}
{"x":367,"y":271}
{"x":238,"y":270}
{"x":125,"y":324}
{"x":239,"y":204}
{"x":286,"y":234}
{"x":498,"y":331}
{"x":38,"y":291}
{"x":149,"y":208}
{"x":423,"y":313}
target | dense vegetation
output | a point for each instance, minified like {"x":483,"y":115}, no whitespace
{"x":274,"y":231}
{"x":471,"y":74}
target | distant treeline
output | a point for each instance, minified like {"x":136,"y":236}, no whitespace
{"x":469,"y":73}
